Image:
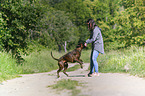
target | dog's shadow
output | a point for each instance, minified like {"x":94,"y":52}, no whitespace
{"x":77,"y":76}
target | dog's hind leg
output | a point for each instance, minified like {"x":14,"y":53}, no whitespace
{"x":60,"y":68}
{"x":65,"y":68}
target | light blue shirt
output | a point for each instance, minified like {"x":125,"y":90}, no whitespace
{"x":97,"y":40}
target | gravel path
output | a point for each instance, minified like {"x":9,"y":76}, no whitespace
{"x":107,"y":84}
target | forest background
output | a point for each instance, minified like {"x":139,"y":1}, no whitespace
{"x":31,"y":29}
{"x":60,"y":24}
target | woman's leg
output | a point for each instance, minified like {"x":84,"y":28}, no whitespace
{"x":94,"y":60}
{"x":91,"y":64}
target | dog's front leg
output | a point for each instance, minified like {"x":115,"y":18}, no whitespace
{"x":80,"y":62}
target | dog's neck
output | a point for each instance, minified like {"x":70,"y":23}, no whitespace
{"x":79,"y":49}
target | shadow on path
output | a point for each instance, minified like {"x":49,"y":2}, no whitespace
{"x":77,"y":76}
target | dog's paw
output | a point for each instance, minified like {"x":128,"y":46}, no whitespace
{"x":58,"y":76}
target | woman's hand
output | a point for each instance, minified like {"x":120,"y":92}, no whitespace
{"x":85,"y":44}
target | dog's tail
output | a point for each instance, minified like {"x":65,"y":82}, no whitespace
{"x":54,"y":57}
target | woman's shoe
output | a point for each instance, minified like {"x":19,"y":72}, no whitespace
{"x":96,"y":74}
{"x":90,"y":75}
{"x":93,"y":74}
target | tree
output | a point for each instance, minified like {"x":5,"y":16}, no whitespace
{"x":132,"y":3}
{"x":78,"y":12}
{"x":99,"y":10}
{"x":129,"y":27}
{"x":134,"y":16}
{"x":19,"y":16}
{"x":59,"y":28}
{"x":4,"y":33}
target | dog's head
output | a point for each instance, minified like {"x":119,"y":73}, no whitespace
{"x":81,"y":45}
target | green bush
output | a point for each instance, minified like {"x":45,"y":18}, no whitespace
{"x":39,"y":62}
{"x":8,"y":67}
{"x":129,"y":60}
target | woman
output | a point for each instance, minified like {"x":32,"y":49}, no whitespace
{"x":97,"y":46}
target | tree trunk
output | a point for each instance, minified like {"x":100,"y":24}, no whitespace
{"x":65,"y":43}
{"x":59,"y":48}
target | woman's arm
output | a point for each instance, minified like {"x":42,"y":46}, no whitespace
{"x":95,"y":33}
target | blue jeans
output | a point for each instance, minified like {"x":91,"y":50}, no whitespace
{"x":93,"y":61}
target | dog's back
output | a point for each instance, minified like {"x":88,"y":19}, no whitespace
{"x":70,"y":57}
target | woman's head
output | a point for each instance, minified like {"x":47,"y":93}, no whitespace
{"x":91,"y":24}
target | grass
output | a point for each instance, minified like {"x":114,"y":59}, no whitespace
{"x":67,"y":84}
{"x":77,"y":66}
{"x":39,"y":62}
{"x":8,"y":67}
{"x":130,"y":60}
{"x":36,"y":62}
{"x":43,"y":62}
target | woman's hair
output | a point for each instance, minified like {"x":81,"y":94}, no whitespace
{"x":92,"y":22}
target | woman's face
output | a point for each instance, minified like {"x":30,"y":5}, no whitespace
{"x":89,"y":26}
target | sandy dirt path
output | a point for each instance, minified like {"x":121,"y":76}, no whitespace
{"x":107,"y":84}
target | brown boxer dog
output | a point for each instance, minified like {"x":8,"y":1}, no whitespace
{"x":73,"y":56}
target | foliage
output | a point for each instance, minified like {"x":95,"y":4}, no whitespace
{"x":3,"y":32}
{"x":61,"y":23}
{"x":38,"y":61}
{"x":78,"y":12}
{"x":8,"y":67}
{"x":131,"y":3}
{"x":130,"y":26}
{"x":29,"y":26}
{"x":58,"y":28}
{"x":129,"y":60}
{"x":20,"y":16}
{"x":112,"y":61}
{"x":98,"y":10}
{"x":126,"y":28}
